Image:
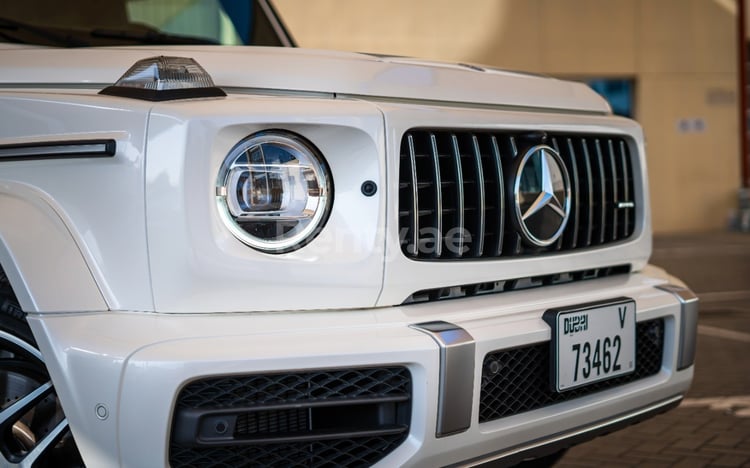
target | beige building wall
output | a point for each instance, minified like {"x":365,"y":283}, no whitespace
{"x":682,"y":54}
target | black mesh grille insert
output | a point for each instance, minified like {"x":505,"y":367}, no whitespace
{"x":272,"y":422}
{"x":521,"y":378}
{"x":334,"y":417}
{"x":263,"y":389}
{"x":455,"y":202}
{"x":352,"y":452}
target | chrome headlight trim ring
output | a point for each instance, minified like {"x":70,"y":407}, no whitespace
{"x":274,"y":191}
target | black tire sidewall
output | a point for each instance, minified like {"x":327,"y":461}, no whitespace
{"x":13,"y":320}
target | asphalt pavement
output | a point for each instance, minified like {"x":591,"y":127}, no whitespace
{"x":712,"y":426}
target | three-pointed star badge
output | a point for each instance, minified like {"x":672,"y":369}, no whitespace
{"x":547,"y":195}
{"x":542,"y":196}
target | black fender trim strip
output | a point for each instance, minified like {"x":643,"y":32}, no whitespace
{"x":58,"y":150}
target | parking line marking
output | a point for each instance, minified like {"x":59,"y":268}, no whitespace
{"x":723,"y":333}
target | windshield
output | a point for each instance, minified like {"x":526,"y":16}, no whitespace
{"x":82,"y":23}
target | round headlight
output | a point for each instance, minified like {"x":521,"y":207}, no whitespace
{"x":274,"y":191}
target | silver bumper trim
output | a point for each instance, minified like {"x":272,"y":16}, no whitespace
{"x":456,"y":392}
{"x":688,"y":323}
{"x":558,"y":442}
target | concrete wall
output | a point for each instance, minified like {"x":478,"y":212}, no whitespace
{"x":680,"y":52}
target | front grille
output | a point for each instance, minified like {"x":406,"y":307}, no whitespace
{"x":518,"y":380}
{"x":454,"y":197}
{"x":332,"y":417}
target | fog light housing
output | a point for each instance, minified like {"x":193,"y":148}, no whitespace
{"x":274,"y":191}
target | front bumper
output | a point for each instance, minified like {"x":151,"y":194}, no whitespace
{"x":118,"y":374}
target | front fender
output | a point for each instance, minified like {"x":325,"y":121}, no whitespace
{"x":43,"y":262}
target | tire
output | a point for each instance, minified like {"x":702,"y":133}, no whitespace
{"x":33,"y":429}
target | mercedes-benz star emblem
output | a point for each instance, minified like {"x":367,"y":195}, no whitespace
{"x":542,"y":196}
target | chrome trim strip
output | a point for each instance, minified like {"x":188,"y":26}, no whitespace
{"x":689,"y":308}
{"x":574,"y":433}
{"x":456,"y":390}
{"x":58,"y":150}
{"x":590,"y":182}
{"x":613,"y":167}
{"x":602,"y":191}
{"x":501,"y":194}
{"x":576,"y":208}
{"x":459,"y":193}
{"x":553,"y":144}
{"x":513,"y":146}
{"x":438,"y":197}
{"x":480,"y":196}
{"x":626,"y":180}
{"x":415,"y":194}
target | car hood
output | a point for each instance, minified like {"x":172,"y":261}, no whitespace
{"x":304,"y":70}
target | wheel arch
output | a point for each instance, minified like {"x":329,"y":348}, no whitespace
{"x":44,"y":264}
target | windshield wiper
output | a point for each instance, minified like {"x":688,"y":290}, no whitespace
{"x":150,"y":37}
{"x":50,"y":35}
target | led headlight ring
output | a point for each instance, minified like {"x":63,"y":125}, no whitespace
{"x":274,"y":191}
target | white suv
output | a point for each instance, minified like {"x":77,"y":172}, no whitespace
{"x":232,"y":256}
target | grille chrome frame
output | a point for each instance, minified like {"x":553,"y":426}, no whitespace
{"x":454,"y":203}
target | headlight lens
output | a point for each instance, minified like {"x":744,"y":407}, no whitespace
{"x":274,"y":191}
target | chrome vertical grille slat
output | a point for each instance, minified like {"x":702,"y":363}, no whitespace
{"x":512,"y":238}
{"x":570,"y":236}
{"x":453,"y":182}
{"x":500,"y":187}
{"x":415,"y":195}
{"x":480,"y":226}
{"x":589,"y":195}
{"x":438,"y":241}
{"x":627,"y":184}
{"x":613,"y":235}
{"x":460,"y":205}
{"x":601,"y":211}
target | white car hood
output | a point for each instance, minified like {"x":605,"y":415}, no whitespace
{"x":301,"y":70}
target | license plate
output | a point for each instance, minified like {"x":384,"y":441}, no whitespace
{"x":591,"y":342}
